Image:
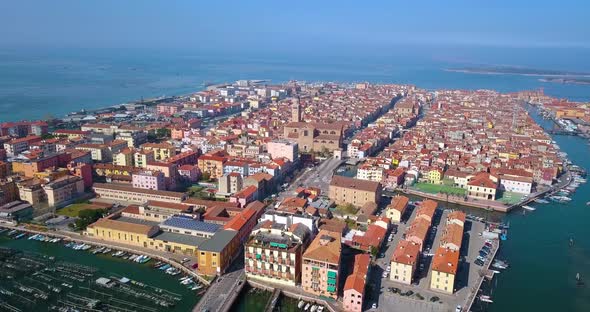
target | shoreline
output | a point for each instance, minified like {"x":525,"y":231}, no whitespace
{"x":490,"y":71}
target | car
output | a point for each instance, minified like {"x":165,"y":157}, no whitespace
{"x":185,"y":260}
{"x":384,"y":275}
{"x":479,"y":262}
{"x":458,"y":309}
{"x":194,"y":266}
{"x":374,"y":305}
{"x":483,"y":254}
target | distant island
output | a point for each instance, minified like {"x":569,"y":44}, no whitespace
{"x":515,"y":70}
{"x":578,"y":81}
{"x":547,"y":75}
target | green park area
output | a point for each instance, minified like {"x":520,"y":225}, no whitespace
{"x":509,"y":198}
{"x":439,"y":188}
{"x":73,"y":210}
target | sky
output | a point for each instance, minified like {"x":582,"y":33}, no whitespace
{"x":275,"y":24}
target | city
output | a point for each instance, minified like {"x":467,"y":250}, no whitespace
{"x":336,"y":195}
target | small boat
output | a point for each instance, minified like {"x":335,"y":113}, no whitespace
{"x":300,"y":304}
{"x":485,"y":299}
{"x":313,"y":308}
{"x":571,"y":241}
{"x":106,"y":251}
{"x":320,"y":308}
{"x":307,"y":307}
{"x":19,"y":236}
{"x":529,"y":208}
{"x":541,"y":201}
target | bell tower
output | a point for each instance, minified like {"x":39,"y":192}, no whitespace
{"x":296,"y":110}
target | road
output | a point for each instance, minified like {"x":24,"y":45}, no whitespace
{"x":318,"y":176}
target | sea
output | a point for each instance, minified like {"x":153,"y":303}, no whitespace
{"x":38,"y":83}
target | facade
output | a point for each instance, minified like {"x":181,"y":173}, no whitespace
{"x":149,"y":180}
{"x":216,"y":254}
{"x":321,"y":265}
{"x":63,"y":190}
{"x":404,"y":261}
{"x":162,"y":151}
{"x":17,"y":211}
{"x":397,"y":208}
{"x":357,"y":192}
{"x":142,"y":158}
{"x":274,"y":251}
{"x":516,"y":184}
{"x":230,"y":183}
{"x":135,"y":195}
{"x":482,"y":187}
{"x":283,"y":149}
{"x":113,"y":230}
{"x":212,"y":165}
{"x":444,"y":270}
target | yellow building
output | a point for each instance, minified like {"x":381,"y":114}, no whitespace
{"x":403,"y":262}
{"x":113,"y":230}
{"x":216,"y":254}
{"x":435,"y":176}
{"x":444,"y":270}
{"x":141,"y":158}
{"x":397,"y":208}
{"x":161,"y":151}
{"x":212,"y":165}
{"x":124,"y":158}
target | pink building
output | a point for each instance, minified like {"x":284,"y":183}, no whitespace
{"x":283,"y":149}
{"x":245,"y":196}
{"x":168,"y":108}
{"x":151,"y":180}
{"x":354,"y":287}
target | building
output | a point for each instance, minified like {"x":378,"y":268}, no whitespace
{"x":344,"y":190}
{"x":452,"y":237}
{"x":482,"y":187}
{"x":321,"y":265}
{"x":354,"y":286}
{"x":188,"y":226}
{"x":149,"y":180}
{"x":63,"y":190}
{"x":124,"y":157}
{"x":230,"y":183}
{"x":417,"y":231}
{"x":121,"y":193}
{"x":427,"y":210}
{"x":283,"y":149}
{"x":142,"y":158}
{"x":444,"y":270}
{"x":404,"y":261}
{"x":212,"y":164}
{"x":120,"y":230}
{"x":216,"y":254}
{"x":162,"y":151}
{"x":274,"y":251}
{"x":17,"y":211}
{"x":516,"y":183}
{"x":457,"y":217}
{"x":158,"y":211}
{"x":396,"y":210}
{"x":98,"y":152}
{"x":17,"y":146}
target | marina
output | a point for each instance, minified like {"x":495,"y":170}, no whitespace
{"x":42,"y":273}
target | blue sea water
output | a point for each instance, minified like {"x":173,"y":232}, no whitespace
{"x":37,"y":82}
{"x":34,"y":83}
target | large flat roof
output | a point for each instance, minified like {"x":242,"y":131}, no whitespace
{"x":190,"y":240}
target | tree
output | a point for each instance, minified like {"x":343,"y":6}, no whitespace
{"x":88,"y":216}
{"x":163,"y":133}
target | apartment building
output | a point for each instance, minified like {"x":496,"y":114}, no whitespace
{"x":444,"y":270}
{"x":321,"y":265}
{"x":396,"y":210}
{"x":274,"y":251}
{"x":404,"y":261}
{"x":134,"y":195}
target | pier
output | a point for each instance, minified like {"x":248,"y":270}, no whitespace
{"x":483,"y":274}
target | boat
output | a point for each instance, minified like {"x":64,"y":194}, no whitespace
{"x":541,"y":201}
{"x":300,"y":304}
{"x":529,"y":208}
{"x":306,"y":307}
{"x":313,"y":308}
{"x":485,"y":299}
{"x":499,"y":264}
{"x":19,"y":236}
{"x":571,"y":241}
{"x":320,"y":309}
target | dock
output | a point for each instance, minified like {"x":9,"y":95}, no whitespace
{"x":484,"y":273}
{"x":273,"y":300}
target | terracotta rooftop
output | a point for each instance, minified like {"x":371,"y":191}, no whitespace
{"x":399,"y":203}
{"x":445,"y":260}
{"x":346,"y":182}
{"x":406,"y":252}
{"x":326,"y":247}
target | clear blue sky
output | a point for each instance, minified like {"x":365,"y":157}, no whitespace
{"x":223,"y":24}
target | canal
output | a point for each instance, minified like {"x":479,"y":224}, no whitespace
{"x":62,"y":274}
{"x":543,"y":266}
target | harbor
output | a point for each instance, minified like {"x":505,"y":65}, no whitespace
{"x":44,"y":273}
